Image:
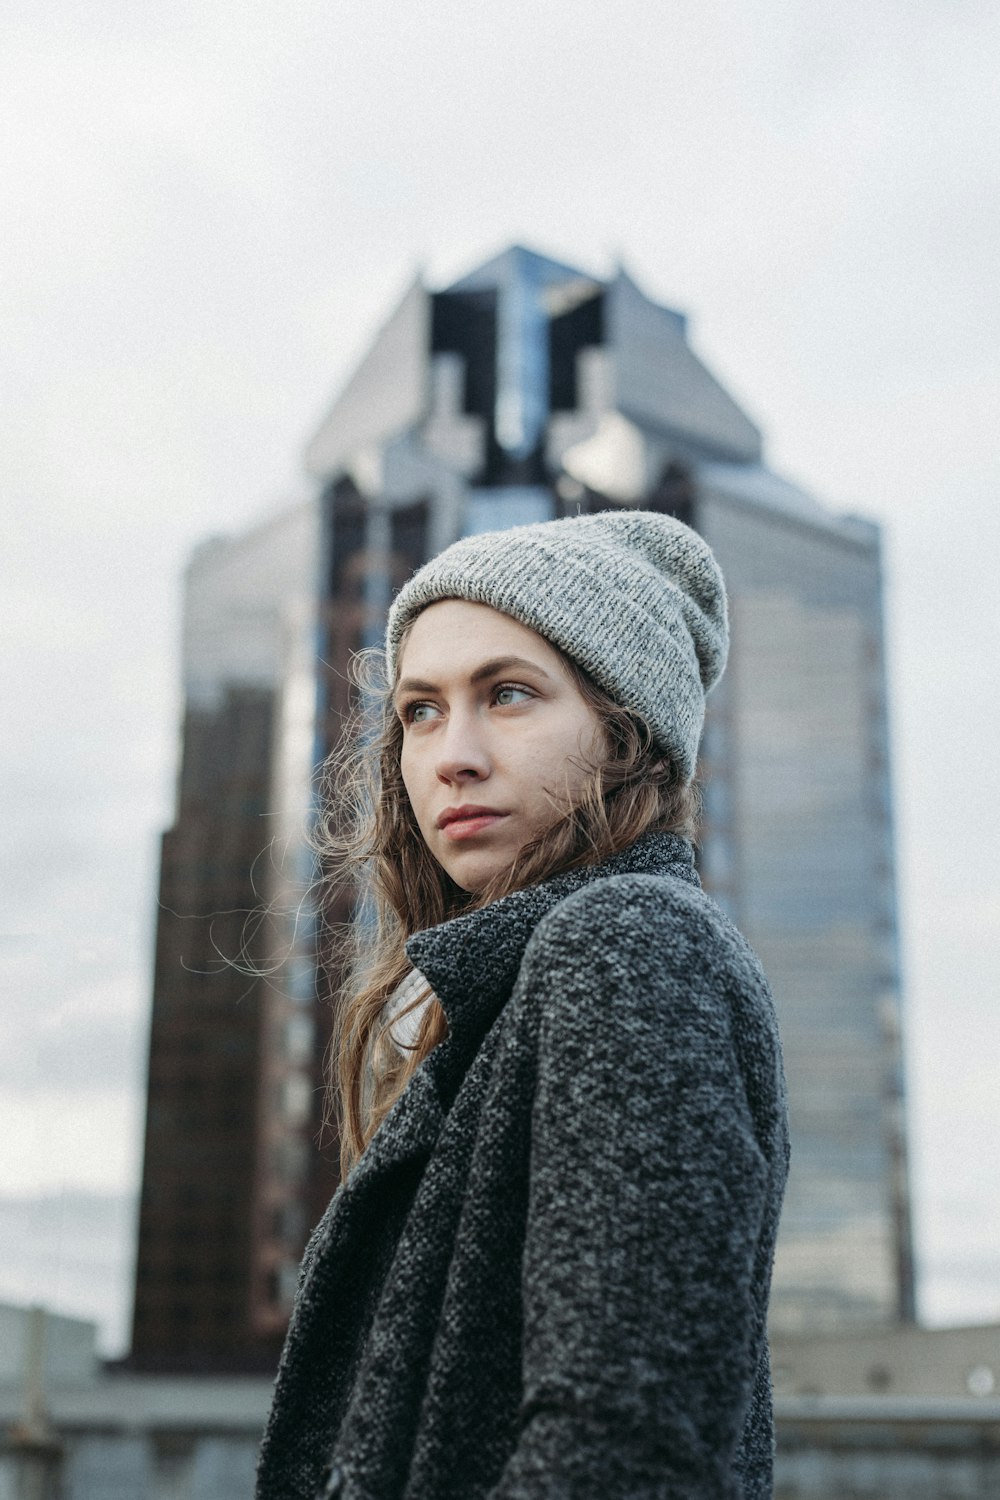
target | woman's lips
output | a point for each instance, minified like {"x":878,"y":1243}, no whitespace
{"x":470,"y":824}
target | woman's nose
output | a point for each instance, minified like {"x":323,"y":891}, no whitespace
{"x":462,"y":752}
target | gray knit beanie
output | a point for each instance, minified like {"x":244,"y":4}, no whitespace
{"x":635,"y":598}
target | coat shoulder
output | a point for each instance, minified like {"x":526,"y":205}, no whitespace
{"x":685,"y":990}
{"x":628,"y":919}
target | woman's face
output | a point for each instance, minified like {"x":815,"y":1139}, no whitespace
{"x":494,"y":727}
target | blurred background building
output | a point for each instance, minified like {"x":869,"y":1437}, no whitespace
{"x":903,"y":1413}
{"x":525,"y":391}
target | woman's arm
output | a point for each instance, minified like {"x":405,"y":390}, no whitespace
{"x":649,"y":1194}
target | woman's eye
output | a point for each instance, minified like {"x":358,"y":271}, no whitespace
{"x":419,"y":713}
{"x":509,"y":694}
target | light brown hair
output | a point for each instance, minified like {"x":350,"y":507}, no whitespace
{"x":368,"y":841}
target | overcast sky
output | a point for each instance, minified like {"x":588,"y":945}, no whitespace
{"x":207,"y":210}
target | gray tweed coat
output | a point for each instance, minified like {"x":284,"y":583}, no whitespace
{"x":547,"y":1278}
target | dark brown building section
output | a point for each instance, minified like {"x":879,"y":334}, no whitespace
{"x":194,"y":1272}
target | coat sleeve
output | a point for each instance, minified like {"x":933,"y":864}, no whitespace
{"x":647,"y":1194}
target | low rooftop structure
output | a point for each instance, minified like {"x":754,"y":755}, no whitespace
{"x":75,"y":1428}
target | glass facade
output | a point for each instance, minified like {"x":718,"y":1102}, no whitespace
{"x":798,"y":844}
{"x":503,"y":506}
{"x":231,"y":1175}
{"x":194,"y":1269}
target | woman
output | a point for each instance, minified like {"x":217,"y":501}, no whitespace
{"x":546,"y":1272}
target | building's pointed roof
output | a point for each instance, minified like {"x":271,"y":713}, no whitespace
{"x":518,"y":263}
{"x":654,"y":378}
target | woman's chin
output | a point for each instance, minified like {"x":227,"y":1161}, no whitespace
{"x":473,"y":870}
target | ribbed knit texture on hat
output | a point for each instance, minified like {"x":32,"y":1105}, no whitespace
{"x":635,"y":598}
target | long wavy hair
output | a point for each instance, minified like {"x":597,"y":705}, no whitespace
{"x":370,"y":848}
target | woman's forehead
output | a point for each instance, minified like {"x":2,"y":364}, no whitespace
{"x":455,"y":636}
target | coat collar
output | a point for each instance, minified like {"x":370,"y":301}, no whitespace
{"x":471,"y":963}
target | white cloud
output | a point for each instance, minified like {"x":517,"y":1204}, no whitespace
{"x":70,"y":1137}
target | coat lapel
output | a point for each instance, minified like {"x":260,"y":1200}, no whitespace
{"x":472,"y":962}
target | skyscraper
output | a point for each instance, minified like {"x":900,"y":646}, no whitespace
{"x":524,"y":391}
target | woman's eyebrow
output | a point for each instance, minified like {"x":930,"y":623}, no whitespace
{"x":506,"y":664}
{"x":414,"y":685}
{"x":488,"y":669}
